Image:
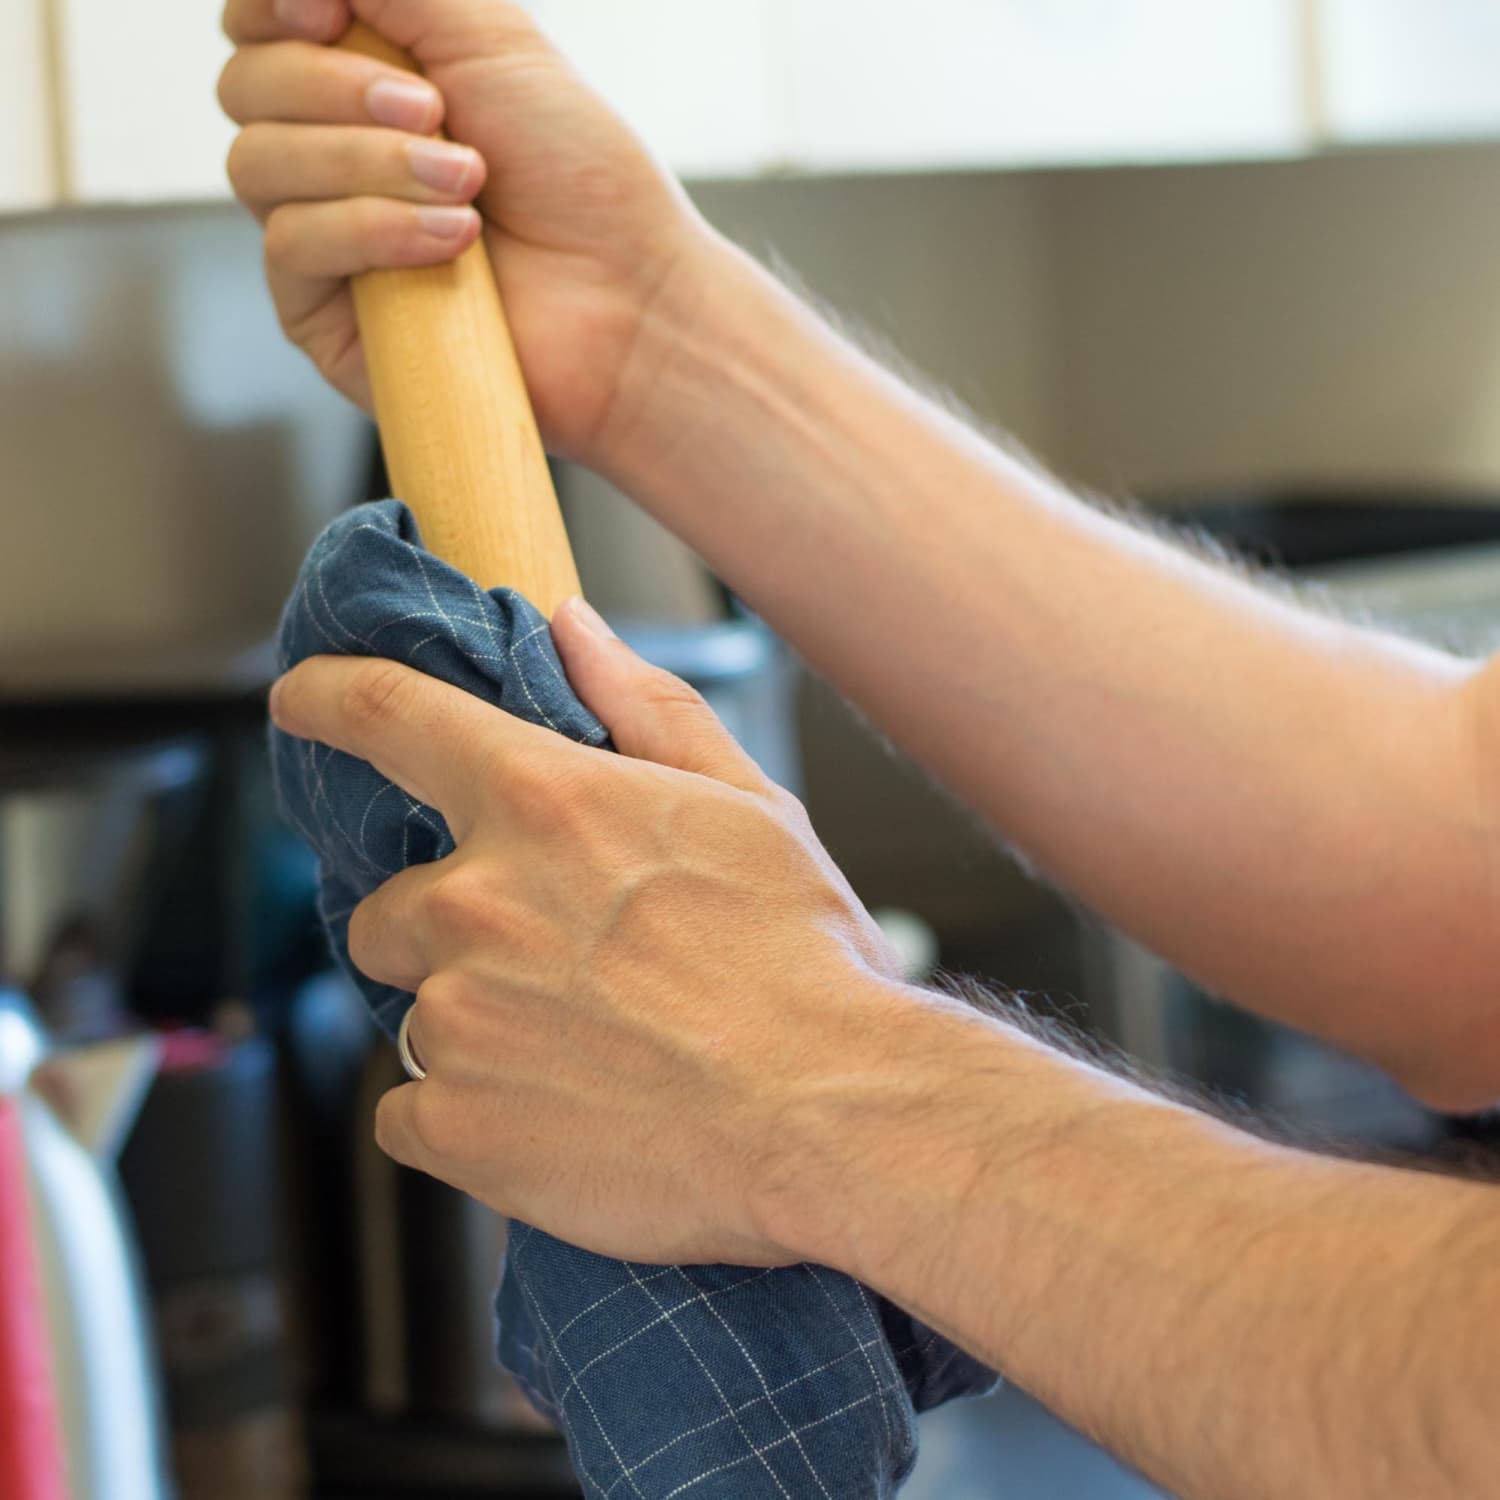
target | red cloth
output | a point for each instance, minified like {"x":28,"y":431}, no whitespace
{"x":32,"y":1466}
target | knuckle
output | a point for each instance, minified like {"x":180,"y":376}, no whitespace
{"x":240,"y":164}
{"x":431,"y":1122}
{"x":440,"y":1001}
{"x":661,"y":690}
{"x":522,"y":774}
{"x":415,"y":1125}
{"x":436,"y":998}
{"x":297,"y":693}
{"x":756,"y":824}
{"x":228,"y":88}
{"x":234,"y":163}
{"x":790,"y":806}
{"x":515,"y":27}
{"x":375,"y":695}
{"x":529,"y":773}
{"x":387,"y":1137}
{"x":745,"y":827}
{"x":361,"y":936}
{"x":554,"y":792}
{"x":291,"y":329}
{"x":365,"y":935}
{"x":459,"y":902}
{"x":518,"y":17}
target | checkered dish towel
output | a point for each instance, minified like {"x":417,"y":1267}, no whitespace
{"x":708,"y":1381}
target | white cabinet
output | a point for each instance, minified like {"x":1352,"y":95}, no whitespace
{"x":137,"y":84}
{"x":695,"y":77}
{"x":885,"y":83}
{"x":27,"y":143}
{"x":734,"y":86}
{"x":737,"y":87}
{"x":1404,"y":70}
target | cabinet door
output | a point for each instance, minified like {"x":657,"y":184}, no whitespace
{"x":1411,"y":69}
{"x":885,"y":83}
{"x":138,"y":82}
{"x":26,"y":120}
{"x":693,"y":76}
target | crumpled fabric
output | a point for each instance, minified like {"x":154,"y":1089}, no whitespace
{"x":709,"y":1381}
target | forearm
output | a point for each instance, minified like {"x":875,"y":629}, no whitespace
{"x":1237,"y":1320}
{"x":1284,"y":805}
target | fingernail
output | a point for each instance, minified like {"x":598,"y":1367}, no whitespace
{"x":403,"y":103}
{"x":590,"y":618}
{"x":275,"y":700}
{"x":309,"y":17}
{"x":446,"y":223}
{"x":442,"y":167}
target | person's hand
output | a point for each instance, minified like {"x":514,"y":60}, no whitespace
{"x":590,"y":238}
{"x":636,"y":974}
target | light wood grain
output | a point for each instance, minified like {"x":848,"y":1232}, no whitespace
{"x":456,"y":422}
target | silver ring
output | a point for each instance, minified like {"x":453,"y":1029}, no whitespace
{"x":414,"y":1070}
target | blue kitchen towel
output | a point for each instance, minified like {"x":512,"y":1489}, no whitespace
{"x":709,"y":1381}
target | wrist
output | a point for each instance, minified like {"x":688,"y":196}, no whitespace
{"x":888,"y":1132}
{"x":703,"y":317}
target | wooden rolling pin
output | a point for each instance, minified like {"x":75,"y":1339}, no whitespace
{"x":460,"y":438}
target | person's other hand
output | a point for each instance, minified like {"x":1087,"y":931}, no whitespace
{"x":637,"y":977}
{"x":591,"y":239}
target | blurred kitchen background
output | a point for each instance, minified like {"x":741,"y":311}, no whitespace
{"x":1240,"y":260}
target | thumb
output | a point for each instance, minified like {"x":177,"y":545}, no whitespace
{"x":650,"y":714}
